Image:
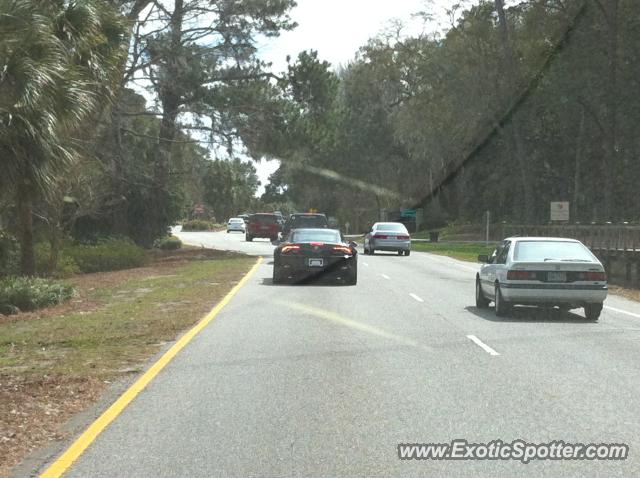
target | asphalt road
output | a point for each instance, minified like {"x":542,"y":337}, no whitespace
{"x":325,"y":381}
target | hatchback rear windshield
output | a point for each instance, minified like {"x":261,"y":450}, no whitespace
{"x":392,"y":227}
{"x":308,"y":221}
{"x":313,"y":236}
{"x":263,"y":218}
{"x":539,"y":251}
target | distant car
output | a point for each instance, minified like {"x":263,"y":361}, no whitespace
{"x":304,"y":221}
{"x":388,"y":236}
{"x":235,"y":224}
{"x":244,"y":217}
{"x":315,"y":253}
{"x":264,"y":225}
{"x":542,"y":271}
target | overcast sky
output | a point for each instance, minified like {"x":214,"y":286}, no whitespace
{"x":338,"y":28}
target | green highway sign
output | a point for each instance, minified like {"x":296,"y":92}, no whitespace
{"x":408,"y":212}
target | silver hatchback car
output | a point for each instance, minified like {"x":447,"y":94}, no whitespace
{"x":542,"y":271}
{"x":388,"y":236}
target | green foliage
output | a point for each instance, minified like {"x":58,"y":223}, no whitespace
{"x":229,"y":187}
{"x":106,"y":255}
{"x":196,"y":225}
{"x":169,"y":243}
{"x":29,"y":293}
{"x":66,"y":265}
{"x":8,"y":254}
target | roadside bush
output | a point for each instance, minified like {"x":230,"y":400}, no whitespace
{"x":195,"y":225}
{"x":30,"y":293}
{"x":170,"y":243}
{"x":66,"y":266}
{"x":106,"y":255}
{"x":9,"y":252}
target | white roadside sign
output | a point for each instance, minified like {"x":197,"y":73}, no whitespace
{"x":560,"y":211}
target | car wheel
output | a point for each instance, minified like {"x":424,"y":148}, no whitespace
{"x":228,"y":231}
{"x":592,"y":311}
{"x":248,"y":238}
{"x":407,"y":252}
{"x":502,"y":306}
{"x":400,"y":252}
{"x":481,"y":301}
{"x":277,"y":275}
{"x":372,"y":251}
{"x":352,"y":278}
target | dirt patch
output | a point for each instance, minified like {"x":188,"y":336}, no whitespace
{"x":32,"y":410}
{"x":55,"y":362}
{"x":632,"y":294}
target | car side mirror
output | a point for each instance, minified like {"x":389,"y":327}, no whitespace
{"x":483,"y":258}
{"x":353,"y":244}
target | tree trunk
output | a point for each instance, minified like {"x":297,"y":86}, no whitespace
{"x":577,"y":167}
{"x":510,"y":77}
{"x":610,"y":163}
{"x":24,"y":202}
{"x":170,"y":98}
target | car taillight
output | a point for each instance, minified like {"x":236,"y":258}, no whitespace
{"x":521,"y":275}
{"x":380,"y":236}
{"x":343,"y":249}
{"x":592,"y":275}
{"x":403,"y":238}
{"x":288,"y":249}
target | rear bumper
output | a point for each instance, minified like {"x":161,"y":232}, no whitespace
{"x":390,"y":245}
{"x":263,"y":234}
{"x":333,"y":267}
{"x":554,"y":294}
{"x":235,"y":228}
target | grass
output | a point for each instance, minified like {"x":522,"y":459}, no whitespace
{"x":135,"y":319}
{"x":56,"y":361}
{"x":463,"y":251}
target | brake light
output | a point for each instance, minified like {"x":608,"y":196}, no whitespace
{"x":592,"y":275}
{"x":288,"y":249}
{"x":380,"y":236}
{"x":521,"y":275}
{"x":343,"y":249}
{"x":317,"y":243}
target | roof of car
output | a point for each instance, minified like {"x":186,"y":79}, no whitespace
{"x":390,"y":223}
{"x":534,"y":238}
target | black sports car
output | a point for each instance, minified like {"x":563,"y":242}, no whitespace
{"x":314,"y":254}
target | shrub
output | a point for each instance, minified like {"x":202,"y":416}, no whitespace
{"x":30,"y":293}
{"x":170,"y":243}
{"x":199,"y":225}
{"x":66,"y":266}
{"x":9,"y":252}
{"x":106,"y":255}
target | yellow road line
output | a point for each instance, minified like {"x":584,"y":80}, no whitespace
{"x":62,"y":464}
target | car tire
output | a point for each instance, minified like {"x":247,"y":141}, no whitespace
{"x":400,"y":252}
{"x":352,"y":278}
{"x":248,"y":238}
{"x":407,"y":252}
{"x":481,"y":301}
{"x":277,"y":275}
{"x":592,"y":311}
{"x":502,"y":307}
{"x":228,"y":231}
{"x":372,"y":251}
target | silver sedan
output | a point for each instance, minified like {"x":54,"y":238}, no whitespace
{"x":388,"y":236}
{"x":542,"y":271}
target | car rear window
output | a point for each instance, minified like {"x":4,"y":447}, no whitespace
{"x":539,"y":251}
{"x":312,"y":236}
{"x":308,"y":221}
{"x":263,"y":218}
{"x":392,"y":227}
{"x":235,"y":221}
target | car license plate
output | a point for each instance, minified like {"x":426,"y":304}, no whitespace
{"x":316,"y":262}
{"x":557,"y":276}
